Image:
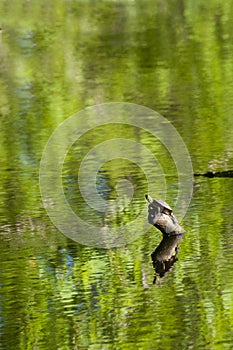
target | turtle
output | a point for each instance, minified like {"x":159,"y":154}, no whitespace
{"x":160,"y":205}
{"x":160,"y":215}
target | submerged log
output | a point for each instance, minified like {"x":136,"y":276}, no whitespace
{"x":224,"y":173}
{"x":161,"y":216}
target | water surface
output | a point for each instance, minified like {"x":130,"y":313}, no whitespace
{"x":56,"y":59}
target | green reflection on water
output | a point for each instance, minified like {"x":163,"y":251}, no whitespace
{"x":59,"y":57}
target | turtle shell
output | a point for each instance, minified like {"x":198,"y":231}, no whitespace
{"x":165,"y":208}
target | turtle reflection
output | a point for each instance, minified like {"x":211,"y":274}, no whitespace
{"x":161,"y":216}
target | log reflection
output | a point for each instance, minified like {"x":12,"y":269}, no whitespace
{"x":165,"y":255}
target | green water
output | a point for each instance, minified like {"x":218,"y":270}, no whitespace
{"x":58,"y":57}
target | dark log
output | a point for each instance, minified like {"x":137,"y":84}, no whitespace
{"x":210,"y":174}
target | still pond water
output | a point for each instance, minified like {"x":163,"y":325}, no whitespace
{"x":57,"y":58}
